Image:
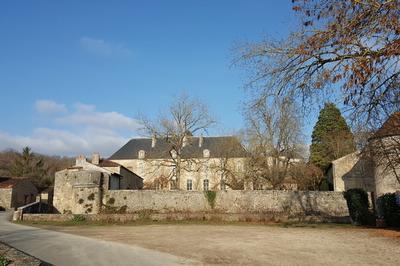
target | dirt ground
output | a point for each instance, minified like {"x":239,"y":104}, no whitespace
{"x":256,"y":244}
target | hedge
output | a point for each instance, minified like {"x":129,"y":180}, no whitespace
{"x":389,"y":209}
{"x":357,"y":202}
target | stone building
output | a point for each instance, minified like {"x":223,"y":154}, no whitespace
{"x":205,"y":161}
{"x":79,"y":189}
{"x":385,"y":150}
{"x":377,"y":168}
{"x":16,"y":192}
{"x":125,"y":178}
{"x":352,"y":171}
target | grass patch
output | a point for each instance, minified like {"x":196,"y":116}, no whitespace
{"x":313,"y":225}
{"x":142,"y":221}
{"x":78,"y":218}
{"x":4,"y":261}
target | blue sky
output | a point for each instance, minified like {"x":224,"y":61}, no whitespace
{"x":74,"y":74}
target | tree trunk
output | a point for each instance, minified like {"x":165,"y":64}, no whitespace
{"x":178,"y":173}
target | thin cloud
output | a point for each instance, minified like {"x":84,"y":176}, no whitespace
{"x":63,"y":142}
{"x":49,"y":107}
{"x":80,"y":129}
{"x":104,"y":48}
{"x":86,"y":115}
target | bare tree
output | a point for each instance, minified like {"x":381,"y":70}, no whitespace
{"x":159,"y":183}
{"x":339,"y":144}
{"x":350,"y":49}
{"x":274,"y":132}
{"x":342,"y":47}
{"x":231,"y":164}
{"x":307,"y":176}
{"x":185,"y":117}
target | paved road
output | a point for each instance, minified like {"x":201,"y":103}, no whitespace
{"x":65,"y":249}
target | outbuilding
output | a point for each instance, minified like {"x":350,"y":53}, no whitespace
{"x":16,"y":192}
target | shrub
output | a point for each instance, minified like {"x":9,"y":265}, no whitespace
{"x":4,"y":261}
{"x":324,"y":185}
{"x":78,"y":218}
{"x":211,"y":195}
{"x":389,"y":209}
{"x":357,"y":202}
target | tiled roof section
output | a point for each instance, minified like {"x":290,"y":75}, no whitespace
{"x":390,"y":128}
{"x":218,"y":147}
{"x":7,"y":182}
{"x":108,"y":163}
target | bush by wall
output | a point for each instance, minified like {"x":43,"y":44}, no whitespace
{"x":389,"y":209}
{"x":78,"y":218}
{"x":211,"y":195}
{"x":357,"y":202}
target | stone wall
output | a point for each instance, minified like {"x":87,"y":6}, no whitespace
{"x":5,"y":197}
{"x":78,"y":191}
{"x":385,"y":180}
{"x":268,"y":203}
{"x":84,"y":192}
{"x":387,"y":167}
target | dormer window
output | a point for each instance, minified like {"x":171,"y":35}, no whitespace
{"x":142,"y":154}
{"x":206,"y":153}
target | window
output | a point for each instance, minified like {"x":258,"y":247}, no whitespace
{"x":142,"y":154}
{"x":206,"y":185}
{"x":239,"y":167}
{"x":189,"y":184}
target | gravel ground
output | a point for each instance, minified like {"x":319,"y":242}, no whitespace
{"x":18,"y":258}
{"x":256,"y":244}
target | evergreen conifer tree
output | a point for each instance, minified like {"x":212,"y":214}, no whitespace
{"x":331,"y":137}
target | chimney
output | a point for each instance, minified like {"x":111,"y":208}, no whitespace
{"x":96,"y":158}
{"x":153,"y":141}
{"x":80,"y":160}
{"x":201,"y":141}
{"x":185,"y":141}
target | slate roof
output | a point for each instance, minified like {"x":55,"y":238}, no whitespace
{"x":216,"y":145}
{"x":390,"y":128}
